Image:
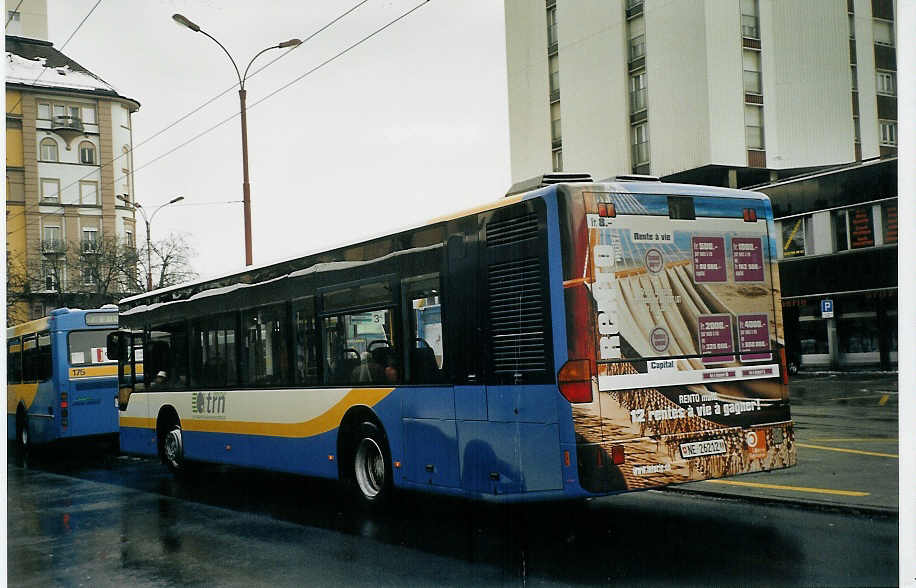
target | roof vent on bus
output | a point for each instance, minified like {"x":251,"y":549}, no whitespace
{"x":633,"y":178}
{"x":546,"y":180}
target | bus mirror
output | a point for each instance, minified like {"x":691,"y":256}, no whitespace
{"x":116,"y":344}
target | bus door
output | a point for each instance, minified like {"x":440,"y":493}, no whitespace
{"x":92,"y":383}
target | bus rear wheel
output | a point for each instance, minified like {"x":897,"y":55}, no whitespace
{"x":22,"y":431}
{"x":372,"y":466}
{"x":173,"y":450}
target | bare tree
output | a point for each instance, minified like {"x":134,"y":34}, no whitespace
{"x":106,"y":269}
{"x":170,"y":259}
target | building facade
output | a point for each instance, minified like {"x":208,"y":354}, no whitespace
{"x":68,"y":166}
{"x":722,"y":92}
{"x":838,"y":264}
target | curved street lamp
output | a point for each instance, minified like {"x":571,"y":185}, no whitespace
{"x":246,"y":189}
{"x":148,"y":220}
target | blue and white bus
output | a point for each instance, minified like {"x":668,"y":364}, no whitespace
{"x":572,"y":339}
{"x":60,"y":382}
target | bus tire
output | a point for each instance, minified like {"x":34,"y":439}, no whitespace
{"x":173,"y":449}
{"x":372,"y":474}
{"x":22,"y":430}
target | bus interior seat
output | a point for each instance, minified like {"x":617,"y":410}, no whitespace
{"x":424,"y":366}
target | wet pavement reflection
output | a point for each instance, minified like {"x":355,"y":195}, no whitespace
{"x":90,"y":517}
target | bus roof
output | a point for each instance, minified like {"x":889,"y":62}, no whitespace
{"x":63,"y":318}
{"x":608,"y":185}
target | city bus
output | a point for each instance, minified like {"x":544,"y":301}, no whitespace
{"x":572,"y":339}
{"x":60,"y":382}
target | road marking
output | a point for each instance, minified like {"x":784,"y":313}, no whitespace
{"x":883,"y":400}
{"x":794,"y":488}
{"x":843,"y":450}
{"x":858,"y":439}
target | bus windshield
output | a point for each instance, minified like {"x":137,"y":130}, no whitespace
{"x":88,"y":347}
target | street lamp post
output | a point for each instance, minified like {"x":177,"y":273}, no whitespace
{"x":148,"y":220}
{"x":246,"y":188}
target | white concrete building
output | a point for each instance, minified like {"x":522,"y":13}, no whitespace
{"x":725,"y":92}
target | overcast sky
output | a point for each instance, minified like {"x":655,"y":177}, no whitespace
{"x":408,"y":126}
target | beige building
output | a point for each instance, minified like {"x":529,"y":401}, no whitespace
{"x":725,"y":92}
{"x":69,"y":145}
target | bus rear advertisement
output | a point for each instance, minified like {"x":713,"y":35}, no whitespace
{"x":60,"y":382}
{"x":574,"y":339}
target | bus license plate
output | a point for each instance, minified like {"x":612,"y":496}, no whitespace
{"x":700,"y":448}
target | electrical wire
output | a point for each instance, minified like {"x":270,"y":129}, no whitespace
{"x":193,"y":111}
{"x":11,"y":13}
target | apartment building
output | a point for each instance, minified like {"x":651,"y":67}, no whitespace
{"x":723,"y":92}
{"x":68,"y":170}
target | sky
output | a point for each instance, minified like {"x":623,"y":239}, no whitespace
{"x":410,"y":125}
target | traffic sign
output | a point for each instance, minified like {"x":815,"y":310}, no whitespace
{"x":826,"y":308}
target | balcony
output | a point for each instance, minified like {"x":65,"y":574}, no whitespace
{"x":634,"y":8}
{"x":52,"y":246}
{"x":67,"y":126}
{"x":90,"y":246}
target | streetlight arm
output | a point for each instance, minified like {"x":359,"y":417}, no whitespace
{"x":226,"y":51}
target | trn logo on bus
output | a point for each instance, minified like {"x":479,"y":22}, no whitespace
{"x":212,"y":404}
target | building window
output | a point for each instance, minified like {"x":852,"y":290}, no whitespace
{"x":750,"y":26}
{"x":89,"y":193}
{"x":44,"y":111}
{"x":840,"y":231}
{"x":553,"y":64}
{"x":752,"y":84}
{"x":49,"y":149}
{"x":638,"y":92}
{"x":125,"y":159}
{"x":753,"y":126}
{"x":51,"y":275}
{"x":857,"y":129}
{"x":129,"y":238}
{"x":637,"y":47}
{"x":87,"y":153}
{"x":50,"y":189}
{"x":884,"y":32}
{"x":794,"y":236}
{"x":89,"y":114}
{"x":556,"y":129}
{"x":557,"y":160}
{"x":88,"y":274}
{"x":552,"y":28}
{"x":853,"y":72}
{"x":852,"y":26}
{"x":51,"y":240}
{"x":641,"y":144}
{"x":886,"y":83}
{"x":60,"y":110}
{"x":889,"y":222}
{"x":853,"y":228}
{"x":888,"y":132}
{"x":90,"y":242}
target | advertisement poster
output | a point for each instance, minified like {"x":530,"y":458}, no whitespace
{"x":861,"y":228}
{"x":683,"y":318}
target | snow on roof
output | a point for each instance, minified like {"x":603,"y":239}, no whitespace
{"x":34,"y":72}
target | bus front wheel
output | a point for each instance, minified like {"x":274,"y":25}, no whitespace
{"x":372,"y":466}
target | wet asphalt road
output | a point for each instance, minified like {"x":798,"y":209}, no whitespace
{"x":94,"y":519}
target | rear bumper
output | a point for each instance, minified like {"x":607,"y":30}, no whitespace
{"x":650,"y":462}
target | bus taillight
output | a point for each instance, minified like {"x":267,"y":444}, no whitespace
{"x":575,"y":380}
{"x":783,"y":366}
{"x":64,"y":410}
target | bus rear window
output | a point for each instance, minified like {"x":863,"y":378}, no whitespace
{"x":87,"y":347}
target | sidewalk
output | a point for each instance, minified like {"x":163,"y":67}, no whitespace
{"x":846,"y":435}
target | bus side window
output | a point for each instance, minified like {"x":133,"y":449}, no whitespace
{"x":30,"y":358}
{"x":14,"y":361}
{"x":426,"y":347}
{"x":265,"y":359}
{"x":306,"y":340}
{"x":44,"y":356}
{"x":166,"y":357}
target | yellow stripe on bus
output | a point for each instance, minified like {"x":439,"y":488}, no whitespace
{"x":16,"y":392}
{"x":29,"y":327}
{"x":327,"y":421}
{"x":93,"y":371}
